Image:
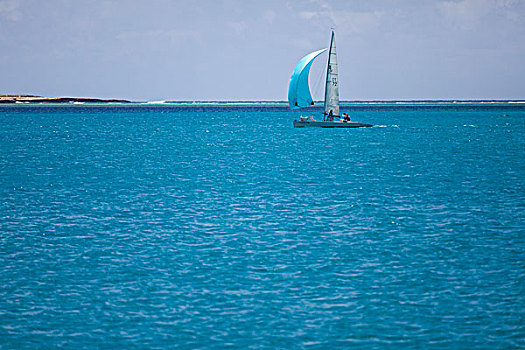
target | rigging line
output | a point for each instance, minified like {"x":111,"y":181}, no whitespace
{"x":317,"y":83}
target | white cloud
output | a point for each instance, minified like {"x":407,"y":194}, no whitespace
{"x":238,"y":27}
{"x":469,"y":14}
{"x":308,"y":15}
{"x":302,"y":44}
{"x":346,"y":21}
{"x":358,"y":22}
{"x":269,"y":16}
{"x":9,"y":9}
{"x":168,"y":36}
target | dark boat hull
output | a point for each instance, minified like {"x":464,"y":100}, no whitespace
{"x":328,"y":124}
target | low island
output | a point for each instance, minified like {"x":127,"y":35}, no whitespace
{"x":41,"y":99}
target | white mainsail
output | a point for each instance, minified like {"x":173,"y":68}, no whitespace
{"x":331,"y":96}
{"x":299,"y":93}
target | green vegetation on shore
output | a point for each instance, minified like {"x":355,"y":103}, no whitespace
{"x":41,"y":99}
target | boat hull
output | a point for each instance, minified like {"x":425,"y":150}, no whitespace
{"x":328,"y":124}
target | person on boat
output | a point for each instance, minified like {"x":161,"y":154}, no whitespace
{"x":330,"y":116}
{"x":346,"y":118}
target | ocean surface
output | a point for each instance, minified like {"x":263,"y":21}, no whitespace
{"x":153,"y":227}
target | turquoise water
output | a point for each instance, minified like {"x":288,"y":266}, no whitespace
{"x":178,"y":227}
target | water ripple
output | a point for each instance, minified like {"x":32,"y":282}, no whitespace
{"x":131,"y":227}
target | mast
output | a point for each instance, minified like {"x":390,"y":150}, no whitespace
{"x":331,"y":95}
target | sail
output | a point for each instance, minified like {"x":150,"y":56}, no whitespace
{"x":298,"y":91}
{"x":331,"y":96}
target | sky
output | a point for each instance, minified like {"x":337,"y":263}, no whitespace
{"x":246,"y":50}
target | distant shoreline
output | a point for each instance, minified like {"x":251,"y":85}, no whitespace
{"x":33,"y":99}
{"x":41,"y":99}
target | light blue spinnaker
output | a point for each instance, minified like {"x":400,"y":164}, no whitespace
{"x":298,"y":91}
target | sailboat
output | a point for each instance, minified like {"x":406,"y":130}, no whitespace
{"x":299,"y":93}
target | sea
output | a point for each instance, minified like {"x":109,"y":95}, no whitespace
{"x":220,"y":226}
